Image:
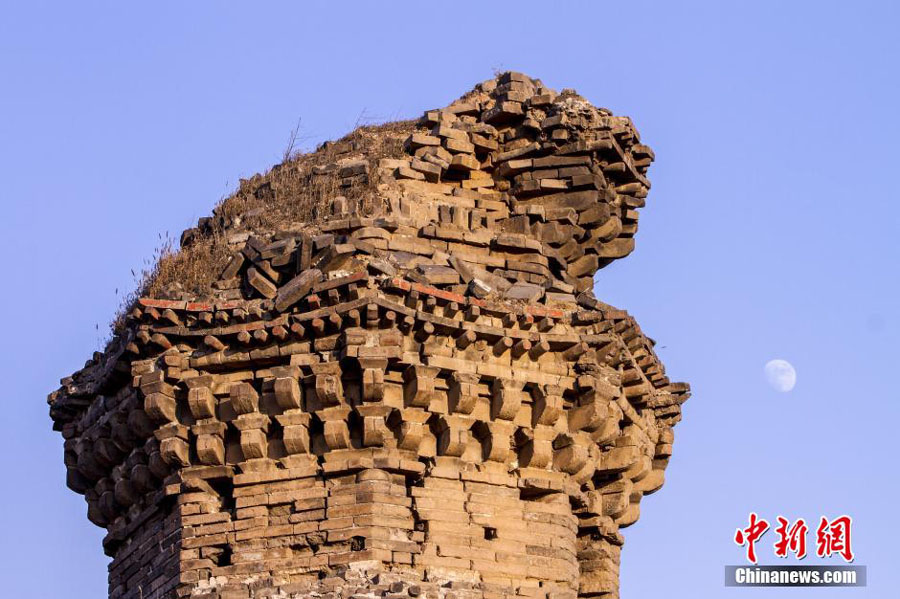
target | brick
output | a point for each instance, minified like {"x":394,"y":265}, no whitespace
{"x":297,"y":288}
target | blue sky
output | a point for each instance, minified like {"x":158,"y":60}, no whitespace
{"x":770,"y":232}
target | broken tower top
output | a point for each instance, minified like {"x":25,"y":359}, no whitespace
{"x":533,"y":191}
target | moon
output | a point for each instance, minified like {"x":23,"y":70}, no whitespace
{"x":781,"y":375}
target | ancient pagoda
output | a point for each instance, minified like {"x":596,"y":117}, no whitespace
{"x":379,"y":370}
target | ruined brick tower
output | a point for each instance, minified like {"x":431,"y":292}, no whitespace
{"x":379,"y":370}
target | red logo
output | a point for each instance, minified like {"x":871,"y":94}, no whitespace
{"x":832,"y":537}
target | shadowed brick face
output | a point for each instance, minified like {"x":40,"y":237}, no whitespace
{"x":416,"y":397}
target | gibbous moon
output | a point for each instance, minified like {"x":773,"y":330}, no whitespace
{"x":781,"y":375}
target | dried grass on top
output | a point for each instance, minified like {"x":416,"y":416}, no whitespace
{"x":288,"y":195}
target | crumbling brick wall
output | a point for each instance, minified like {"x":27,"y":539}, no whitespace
{"x":414,"y":392}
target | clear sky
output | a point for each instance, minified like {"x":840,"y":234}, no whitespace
{"x":770,"y":232}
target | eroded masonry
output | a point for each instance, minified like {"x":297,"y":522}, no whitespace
{"x":398,"y":381}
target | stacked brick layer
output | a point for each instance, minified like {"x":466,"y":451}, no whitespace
{"x":420,"y":399}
